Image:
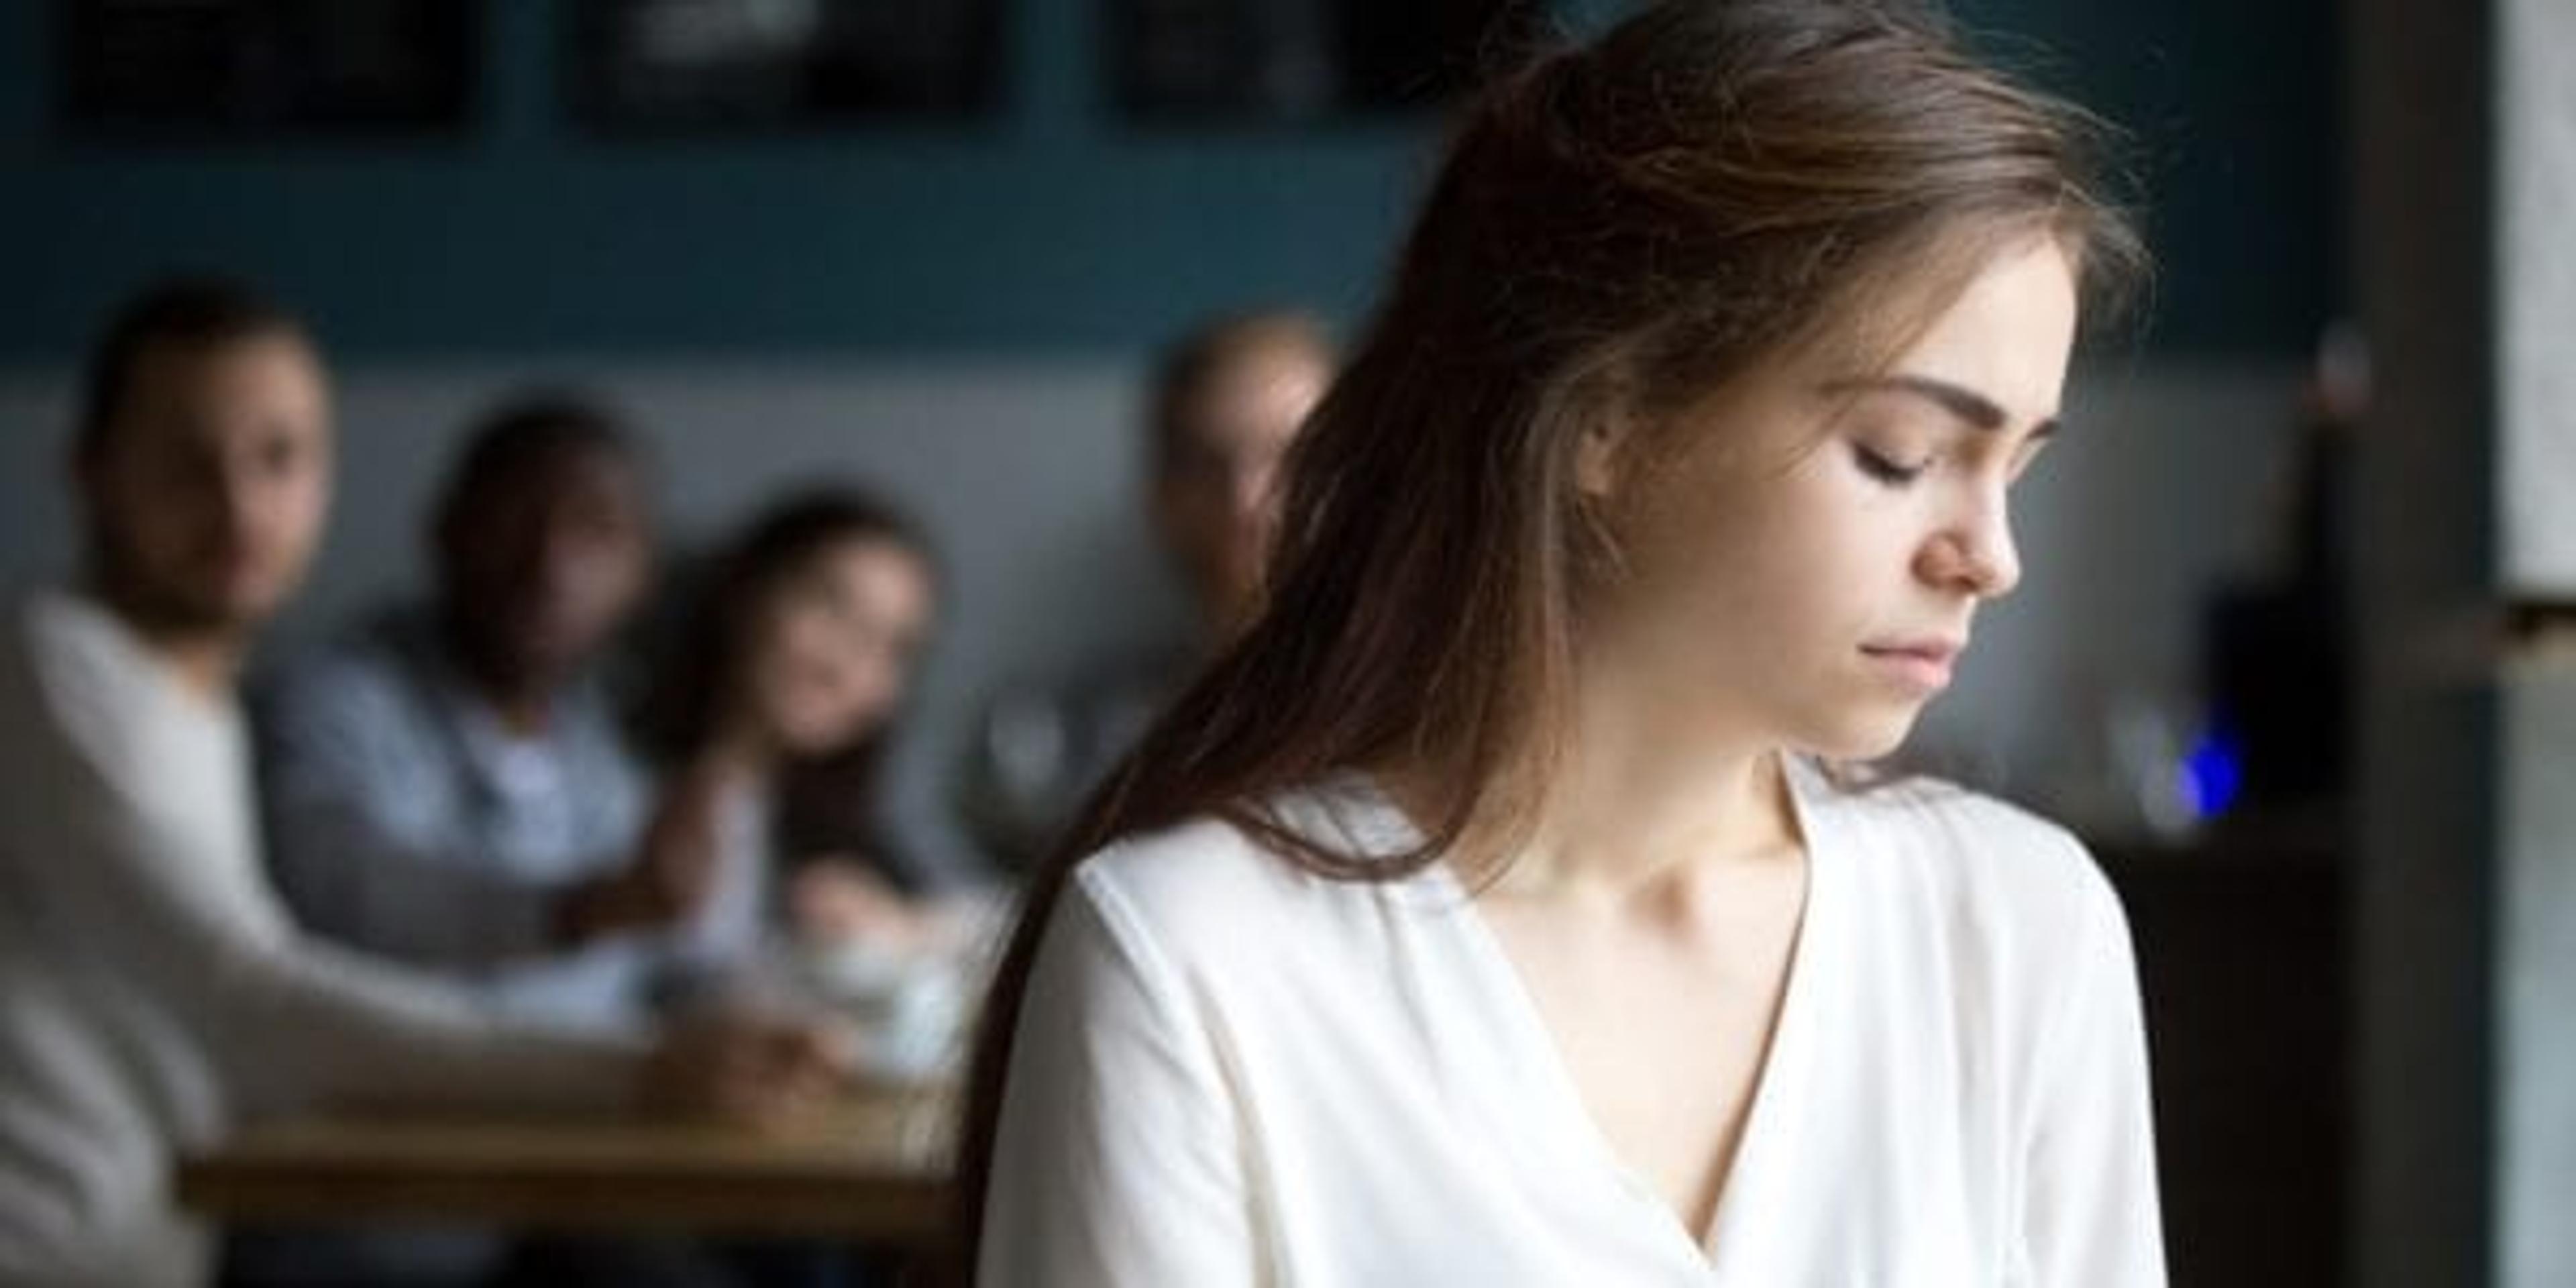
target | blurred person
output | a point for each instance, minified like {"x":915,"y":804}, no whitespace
{"x":1507,"y":905}
{"x":153,"y":993}
{"x":1228,"y":400}
{"x":449,"y":785}
{"x":789,"y":666}
{"x":800,"y":647}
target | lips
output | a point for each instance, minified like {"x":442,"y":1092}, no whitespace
{"x":1943,"y":651}
{"x":1919,"y":663}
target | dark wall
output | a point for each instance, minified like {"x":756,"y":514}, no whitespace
{"x":1050,"y":226}
{"x":2234,"y":126}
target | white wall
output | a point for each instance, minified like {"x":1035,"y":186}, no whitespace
{"x":1025,"y":472}
{"x":2535,"y":459}
{"x":2536,"y":182}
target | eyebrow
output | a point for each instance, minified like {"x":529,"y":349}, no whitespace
{"x":1960,"y":401}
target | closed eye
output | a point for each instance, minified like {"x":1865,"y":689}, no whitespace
{"x":1885,"y":469}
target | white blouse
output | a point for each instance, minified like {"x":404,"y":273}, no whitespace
{"x":1232,"y":1073}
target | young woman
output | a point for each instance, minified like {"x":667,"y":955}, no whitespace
{"x":1497,"y":910}
{"x":800,"y":647}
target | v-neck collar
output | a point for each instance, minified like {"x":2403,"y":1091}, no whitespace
{"x":1546,"y":1115}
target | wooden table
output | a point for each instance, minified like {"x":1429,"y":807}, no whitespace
{"x":870,"y":1170}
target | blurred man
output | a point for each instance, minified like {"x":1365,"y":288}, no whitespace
{"x":1229,"y":400}
{"x":1227,"y":403}
{"x":449,"y":785}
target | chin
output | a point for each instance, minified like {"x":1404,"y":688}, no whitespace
{"x":807,"y":739}
{"x":1862,"y":738}
{"x":229,"y":612}
{"x":253,"y":600}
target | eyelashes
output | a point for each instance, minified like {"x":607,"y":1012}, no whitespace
{"x":1886,"y":470}
{"x":1890,"y":472}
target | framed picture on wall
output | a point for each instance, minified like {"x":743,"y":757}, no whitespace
{"x":255,"y":69}
{"x":689,"y":66}
{"x":1181,"y":62}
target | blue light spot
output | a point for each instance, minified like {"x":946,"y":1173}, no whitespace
{"x":2214,"y":772}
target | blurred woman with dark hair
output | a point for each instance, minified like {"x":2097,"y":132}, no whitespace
{"x":798,"y":650}
{"x":1500,"y":908}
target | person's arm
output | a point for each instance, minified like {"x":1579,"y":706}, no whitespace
{"x":112,"y":836}
{"x":354,"y":858}
{"x":355,"y":861}
{"x":2091,"y":1213}
{"x":293,"y":1022}
{"x":1119,"y":1154}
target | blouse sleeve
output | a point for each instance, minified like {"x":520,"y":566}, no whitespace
{"x":1118,"y":1159}
{"x":2090,"y":1213}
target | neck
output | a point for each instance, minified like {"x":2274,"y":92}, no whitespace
{"x":1646,"y":804}
{"x":738,"y":752}
{"x":522,"y":700}
{"x":207,"y":658}
{"x":522,"y":712}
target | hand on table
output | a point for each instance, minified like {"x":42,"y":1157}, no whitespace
{"x":757,"y":1070}
{"x":834,"y":899}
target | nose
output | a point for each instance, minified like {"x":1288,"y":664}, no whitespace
{"x":1976,"y":553}
{"x":561,"y":559}
{"x":579,"y":563}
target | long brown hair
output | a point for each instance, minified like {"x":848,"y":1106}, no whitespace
{"x":1616,"y":231}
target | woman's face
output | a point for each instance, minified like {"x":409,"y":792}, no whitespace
{"x":832,"y":647}
{"x":1805,"y":566}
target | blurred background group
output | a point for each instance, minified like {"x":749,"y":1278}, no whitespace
{"x":786,"y":449}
